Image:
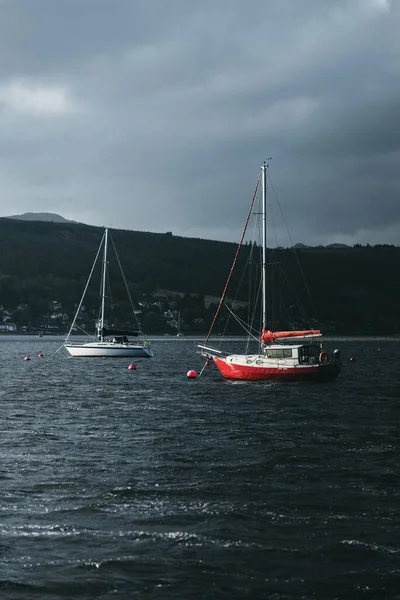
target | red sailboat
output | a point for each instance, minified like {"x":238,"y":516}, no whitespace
{"x":280,"y":355}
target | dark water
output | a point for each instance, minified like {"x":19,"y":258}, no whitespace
{"x":144,"y":484}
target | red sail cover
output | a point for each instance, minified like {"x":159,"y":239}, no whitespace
{"x":268,"y":336}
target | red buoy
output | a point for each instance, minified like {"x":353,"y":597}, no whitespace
{"x":27,"y":358}
{"x":208,"y":363}
{"x":41,"y":354}
{"x":132,"y":367}
{"x":352,"y":358}
{"x":191,"y":374}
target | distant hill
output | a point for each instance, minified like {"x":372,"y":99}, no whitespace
{"x":334,"y":245}
{"x":47,"y":217}
{"x":354,"y":290}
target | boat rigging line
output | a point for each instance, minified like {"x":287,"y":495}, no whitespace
{"x":232,"y":268}
{"x":85,"y":290}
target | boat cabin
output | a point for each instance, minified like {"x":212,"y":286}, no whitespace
{"x":305,"y":354}
{"x":120,"y":340}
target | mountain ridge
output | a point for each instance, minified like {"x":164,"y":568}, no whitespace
{"x":56,"y":218}
{"x":42,"y":216}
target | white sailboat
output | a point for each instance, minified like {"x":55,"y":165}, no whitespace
{"x":281,"y":355}
{"x":108,"y":342}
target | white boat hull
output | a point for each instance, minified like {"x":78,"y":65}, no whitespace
{"x":107,"y":349}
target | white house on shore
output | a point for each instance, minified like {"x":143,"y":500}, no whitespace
{"x":8,"y":327}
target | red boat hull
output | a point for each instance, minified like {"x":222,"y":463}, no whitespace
{"x":319,"y":372}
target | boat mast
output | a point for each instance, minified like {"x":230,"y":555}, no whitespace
{"x":264,"y":244}
{"x":103,"y":287}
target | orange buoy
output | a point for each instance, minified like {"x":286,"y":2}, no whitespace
{"x":27,"y":358}
{"x":191,"y":374}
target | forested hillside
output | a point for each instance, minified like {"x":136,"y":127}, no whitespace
{"x":352,"y":290}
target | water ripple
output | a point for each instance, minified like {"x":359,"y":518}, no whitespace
{"x":144,"y":484}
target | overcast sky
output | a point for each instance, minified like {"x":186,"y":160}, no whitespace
{"x":155,"y":115}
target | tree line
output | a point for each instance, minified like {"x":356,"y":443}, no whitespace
{"x":345,"y":290}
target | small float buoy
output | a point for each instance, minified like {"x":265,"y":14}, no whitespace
{"x":41,"y":354}
{"x":132,"y":367}
{"x":208,"y":363}
{"x":191,"y":374}
{"x":352,"y":358}
{"x":27,"y":358}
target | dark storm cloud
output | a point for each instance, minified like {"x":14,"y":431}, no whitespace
{"x":156,"y":114}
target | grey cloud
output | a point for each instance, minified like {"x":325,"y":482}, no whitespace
{"x":176,"y":104}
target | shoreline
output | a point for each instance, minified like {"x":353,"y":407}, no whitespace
{"x":216,"y":338}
